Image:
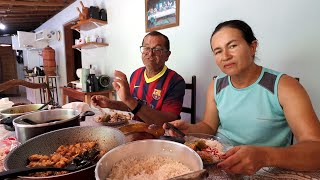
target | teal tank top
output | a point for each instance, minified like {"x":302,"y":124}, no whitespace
{"x":252,"y":115}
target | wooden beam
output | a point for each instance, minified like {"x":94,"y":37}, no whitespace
{"x":20,"y":9}
{"x":26,"y":14}
{"x":31,"y":3}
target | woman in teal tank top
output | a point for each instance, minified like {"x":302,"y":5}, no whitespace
{"x":256,"y":108}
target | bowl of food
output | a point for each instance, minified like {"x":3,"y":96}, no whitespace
{"x":148,"y":159}
{"x":210,"y":148}
{"x":112,"y":117}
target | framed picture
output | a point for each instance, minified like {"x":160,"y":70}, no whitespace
{"x":161,"y":14}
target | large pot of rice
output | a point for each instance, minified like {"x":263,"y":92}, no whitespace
{"x":148,"y":159}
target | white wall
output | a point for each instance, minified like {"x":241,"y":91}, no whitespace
{"x":287,"y":30}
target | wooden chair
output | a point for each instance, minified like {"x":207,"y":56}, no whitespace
{"x":17,"y":82}
{"x":192,"y":109}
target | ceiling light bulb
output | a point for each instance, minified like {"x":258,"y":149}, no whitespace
{"x":2,"y":26}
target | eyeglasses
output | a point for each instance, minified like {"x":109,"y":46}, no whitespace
{"x":144,"y":49}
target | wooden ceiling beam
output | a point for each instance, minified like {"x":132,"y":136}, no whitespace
{"x":25,"y":14}
{"x":21,"y":20}
{"x":32,"y":3}
{"x":21,"y":9}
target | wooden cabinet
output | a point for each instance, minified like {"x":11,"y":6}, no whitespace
{"x":87,"y":25}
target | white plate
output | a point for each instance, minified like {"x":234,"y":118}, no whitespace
{"x":191,"y":137}
{"x":110,"y":111}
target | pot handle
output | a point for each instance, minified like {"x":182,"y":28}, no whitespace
{"x":7,"y":121}
{"x":87,"y":113}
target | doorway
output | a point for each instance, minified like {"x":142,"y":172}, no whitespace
{"x":8,"y":70}
{"x":73,"y":56}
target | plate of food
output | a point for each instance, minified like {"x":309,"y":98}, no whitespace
{"x":113,"y":117}
{"x":210,"y":148}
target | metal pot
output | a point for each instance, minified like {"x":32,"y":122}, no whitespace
{"x":9,"y":114}
{"x":177,"y":151}
{"x":61,"y":118}
{"x":106,"y":137}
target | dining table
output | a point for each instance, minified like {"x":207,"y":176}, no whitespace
{"x":7,"y":138}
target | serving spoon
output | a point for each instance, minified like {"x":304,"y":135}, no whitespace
{"x":79,"y":162}
{"x":198,"y":175}
{"x":174,"y":138}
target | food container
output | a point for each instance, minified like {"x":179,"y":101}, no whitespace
{"x":19,"y":110}
{"x":46,"y":120}
{"x":7,"y":115}
{"x":47,"y":143}
{"x":174,"y":150}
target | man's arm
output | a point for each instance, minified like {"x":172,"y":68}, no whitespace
{"x":149,"y":115}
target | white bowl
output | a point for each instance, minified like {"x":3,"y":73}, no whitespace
{"x":171,"y":149}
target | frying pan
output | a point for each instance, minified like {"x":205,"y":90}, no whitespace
{"x":106,"y":137}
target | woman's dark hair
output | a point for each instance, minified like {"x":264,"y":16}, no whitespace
{"x":156,"y":33}
{"x":243,"y":27}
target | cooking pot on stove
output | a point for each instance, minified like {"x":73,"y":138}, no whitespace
{"x":39,"y":122}
{"x":8,"y":114}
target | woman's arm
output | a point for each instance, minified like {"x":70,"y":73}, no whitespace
{"x":305,"y":126}
{"x":303,"y":156}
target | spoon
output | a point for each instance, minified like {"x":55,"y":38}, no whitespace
{"x":173,"y":138}
{"x":176,"y":130}
{"x":45,"y":105}
{"x":200,"y":174}
{"x":79,"y":162}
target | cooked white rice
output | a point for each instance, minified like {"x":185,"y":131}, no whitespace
{"x":153,"y":167}
{"x":214,"y":144}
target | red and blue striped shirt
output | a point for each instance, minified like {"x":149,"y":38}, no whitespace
{"x":164,"y":93}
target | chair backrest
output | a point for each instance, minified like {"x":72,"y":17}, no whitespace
{"x":17,"y":82}
{"x":192,"y":109}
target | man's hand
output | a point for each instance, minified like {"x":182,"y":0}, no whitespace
{"x":245,"y":160}
{"x":101,"y":101}
{"x":121,"y":85}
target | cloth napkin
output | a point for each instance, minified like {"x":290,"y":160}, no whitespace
{"x":80,"y":106}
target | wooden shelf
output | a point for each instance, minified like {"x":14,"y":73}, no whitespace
{"x":88,"y":24}
{"x":89,"y":45}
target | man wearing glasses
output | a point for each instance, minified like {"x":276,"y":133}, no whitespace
{"x":155,"y":92}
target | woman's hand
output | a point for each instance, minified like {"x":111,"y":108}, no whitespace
{"x":180,"y":124}
{"x":245,"y":160}
{"x":101,"y":101}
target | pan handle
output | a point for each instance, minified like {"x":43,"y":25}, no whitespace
{"x":7,"y":121}
{"x":82,"y":116}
